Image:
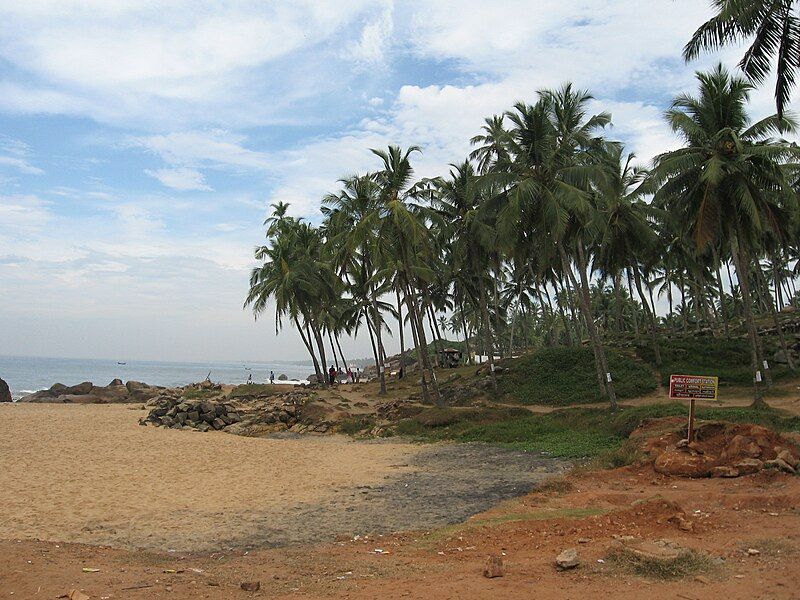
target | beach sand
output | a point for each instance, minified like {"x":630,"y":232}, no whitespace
{"x":92,"y":474}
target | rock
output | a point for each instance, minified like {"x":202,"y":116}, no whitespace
{"x":115,"y":382}
{"x":568,"y":559}
{"x":282,"y":377}
{"x":75,"y":595}
{"x":5,"y":392}
{"x":724,"y":471}
{"x":749,"y":466}
{"x":780,"y":465}
{"x":79,"y":390}
{"x":683,"y":464}
{"x":57,"y":389}
{"x":136,"y":385}
{"x":203,"y":427}
{"x":788,"y":458}
{"x":780,"y":358}
{"x":209,"y":416}
{"x":753,"y":552}
{"x":250,"y":586}
{"x":218,"y":423}
{"x":494,"y":567}
{"x":653,"y":550}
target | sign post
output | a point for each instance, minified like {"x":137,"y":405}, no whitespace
{"x":692,"y":388}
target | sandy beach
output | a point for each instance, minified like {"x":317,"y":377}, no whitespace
{"x":91,"y":474}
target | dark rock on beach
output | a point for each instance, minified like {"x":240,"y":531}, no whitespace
{"x":5,"y":392}
{"x":87,"y":393}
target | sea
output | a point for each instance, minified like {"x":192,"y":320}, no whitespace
{"x":27,"y":374}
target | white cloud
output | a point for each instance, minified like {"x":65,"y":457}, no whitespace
{"x":181,"y":179}
{"x":375,"y":37}
{"x":215,"y":148}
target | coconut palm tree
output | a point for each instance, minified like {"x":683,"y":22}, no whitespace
{"x":727,"y":182}
{"x":774,"y":28}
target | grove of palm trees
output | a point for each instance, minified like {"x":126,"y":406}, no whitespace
{"x":551,"y":233}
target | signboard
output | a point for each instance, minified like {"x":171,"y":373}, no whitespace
{"x":693,"y":387}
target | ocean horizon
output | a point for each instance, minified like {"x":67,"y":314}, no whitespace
{"x":28,"y":374}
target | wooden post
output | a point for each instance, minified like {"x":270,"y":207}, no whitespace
{"x":690,"y":433}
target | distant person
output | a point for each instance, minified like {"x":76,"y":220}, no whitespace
{"x":272,"y":376}
{"x":350,"y":377}
{"x":358,"y":374}
{"x":332,"y":375}
{"x":249,"y":379}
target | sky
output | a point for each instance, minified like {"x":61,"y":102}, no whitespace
{"x":142,"y":141}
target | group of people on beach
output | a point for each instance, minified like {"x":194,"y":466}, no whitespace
{"x":337,"y":375}
{"x":334,"y":376}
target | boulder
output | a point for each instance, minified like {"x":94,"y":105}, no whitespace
{"x":724,"y":471}
{"x":749,"y":466}
{"x":494,"y":567}
{"x":282,"y":377}
{"x":788,"y":458}
{"x":568,"y":559}
{"x":115,"y":382}
{"x":780,"y":465}
{"x":5,"y":392}
{"x":683,"y":464}
{"x":663,"y":551}
{"x":79,"y":390}
{"x":218,"y":423}
{"x":135,"y":385}
{"x":57,"y":389}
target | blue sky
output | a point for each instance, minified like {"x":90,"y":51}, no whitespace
{"x":141,"y":142}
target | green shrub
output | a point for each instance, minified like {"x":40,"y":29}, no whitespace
{"x":727,"y":359}
{"x":356,"y":425}
{"x":254,"y":389}
{"x":566,"y":375}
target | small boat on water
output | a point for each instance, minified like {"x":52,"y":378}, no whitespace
{"x":121,"y":363}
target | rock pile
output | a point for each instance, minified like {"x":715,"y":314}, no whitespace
{"x":720,"y":449}
{"x":202,"y":415}
{"x":88,"y":393}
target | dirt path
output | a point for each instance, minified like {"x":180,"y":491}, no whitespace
{"x":585,"y":511}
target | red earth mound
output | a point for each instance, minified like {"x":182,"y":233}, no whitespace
{"x":720,"y":449}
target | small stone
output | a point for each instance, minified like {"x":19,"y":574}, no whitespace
{"x":494,"y":567}
{"x":568,"y":559}
{"x":584,"y":540}
{"x":250,"y":586}
{"x":753,"y":552}
{"x":702,"y":579}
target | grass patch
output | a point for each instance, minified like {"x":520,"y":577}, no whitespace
{"x":566,"y":375}
{"x":356,"y":425}
{"x":688,"y":564}
{"x":200,"y":394}
{"x":254,"y":389}
{"x":727,"y":359}
{"x":574,"y":433}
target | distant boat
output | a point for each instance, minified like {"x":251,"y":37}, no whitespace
{"x":121,"y":363}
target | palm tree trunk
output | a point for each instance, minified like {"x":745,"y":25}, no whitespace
{"x":402,"y":334}
{"x":426,"y":396}
{"x":648,"y":312}
{"x":618,"y":302}
{"x":466,"y":332}
{"x":422,"y":349}
{"x":487,"y":331}
{"x":321,"y":345}
{"x":685,"y":317}
{"x":339,"y":346}
{"x":779,"y":330}
{"x":434,"y":334}
{"x":376,"y":325}
{"x":374,"y":347}
{"x":333,"y":350}
{"x":310,"y":348}
{"x":744,"y":288}
{"x":634,"y":310}
{"x":601,"y":364}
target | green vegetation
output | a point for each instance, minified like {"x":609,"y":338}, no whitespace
{"x":356,"y":425}
{"x":566,"y":375}
{"x":729,"y":359}
{"x":687,"y":564}
{"x":254,"y":389}
{"x":575,"y":433}
{"x":200,"y":394}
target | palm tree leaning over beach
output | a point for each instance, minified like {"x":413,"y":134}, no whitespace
{"x":727,"y":183}
{"x":774,"y":28}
